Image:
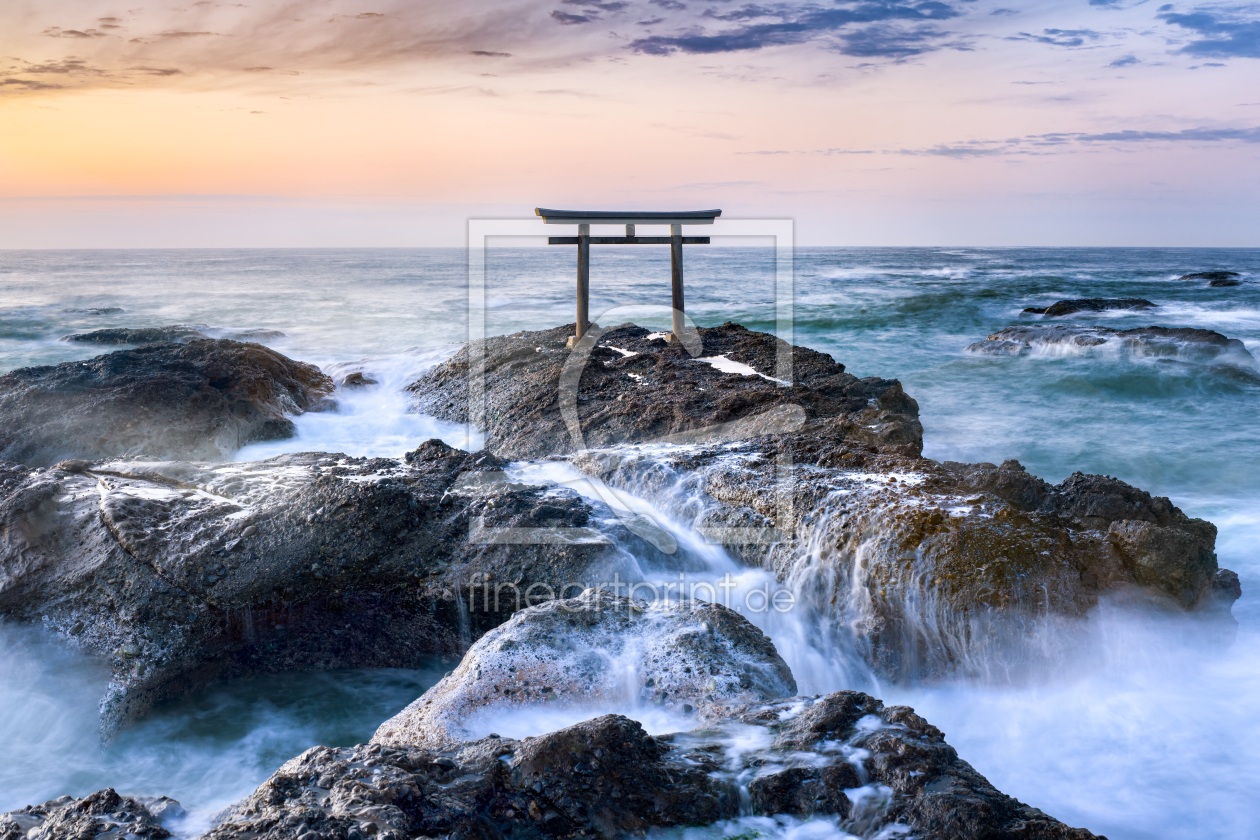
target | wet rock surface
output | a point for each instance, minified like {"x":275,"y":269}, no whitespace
{"x":202,"y":400}
{"x":630,"y":387}
{"x":934,"y":568}
{"x":844,"y":758}
{"x":1071,"y":307}
{"x":579,"y":652}
{"x":103,"y":814}
{"x":182,"y":572}
{"x":177,"y":333}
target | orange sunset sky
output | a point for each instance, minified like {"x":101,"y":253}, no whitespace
{"x":347,"y":122}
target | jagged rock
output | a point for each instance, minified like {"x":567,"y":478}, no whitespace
{"x":200,"y":401}
{"x":930,"y":567}
{"x":1071,"y":307}
{"x":576,"y":652}
{"x":633,"y":388}
{"x":177,"y":333}
{"x":101,"y":814}
{"x":1217,"y":278}
{"x":844,"y":758}
{"x":180,"y":572}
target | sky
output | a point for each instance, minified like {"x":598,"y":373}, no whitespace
{"x":391,"y":122}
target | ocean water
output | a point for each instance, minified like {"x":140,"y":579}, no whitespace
{"x":1150,"y":732}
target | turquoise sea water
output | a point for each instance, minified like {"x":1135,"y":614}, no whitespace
{"x":1149,"y":740}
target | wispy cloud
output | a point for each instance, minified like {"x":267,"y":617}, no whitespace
{"x":1196,"y":135}
{"x":570,"y":19}
{"x":238,"y":44}
{"x":1059,"y":37}
{"x":1227,"y":34}
{"x":851,"y":27}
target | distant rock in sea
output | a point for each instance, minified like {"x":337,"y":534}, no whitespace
{"x":178,"y":333}
{"x":1071,"y":307}
{"x":1172,"y":344}
{"x":1217,"y":278}
{"x":108,"y":310}
{"x":202,"y":400}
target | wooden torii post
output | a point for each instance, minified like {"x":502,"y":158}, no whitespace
{"x":585,"y":218}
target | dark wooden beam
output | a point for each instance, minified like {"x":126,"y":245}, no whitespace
{"x":627,"y":217}
{"x":676,"y":282}
{"x":628,"y":240}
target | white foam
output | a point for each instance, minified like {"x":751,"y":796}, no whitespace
{"x":726,"y":365}
{"x":374,"y":421}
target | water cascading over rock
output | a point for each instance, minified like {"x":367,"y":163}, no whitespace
{"x":916,"y":568}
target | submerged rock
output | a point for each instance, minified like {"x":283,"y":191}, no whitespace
{"x":182,"y":572}
{"x":201,"y":401}
{"x":1175,"y":344}
{"x":1071,"y":307}
{"x":177,"y":333}
{"x":1217,"y":278}
{"x":104,"y":310}
{"x":843,"y":758}
{"x":101,"y":814}
{"x":355,"y":379}
{"x":632,"y":387}
{"x":927,"y":568}
{"x":580,"y":652}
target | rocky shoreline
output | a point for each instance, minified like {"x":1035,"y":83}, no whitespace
{"x":131,"y":546}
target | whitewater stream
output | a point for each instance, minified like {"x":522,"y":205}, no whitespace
{"x":1139,"y":728}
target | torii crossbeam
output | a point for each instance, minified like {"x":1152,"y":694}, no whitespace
{"x":585,"y":218}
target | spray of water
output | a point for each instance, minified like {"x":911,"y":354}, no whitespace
{"x":371,"y":420}
{"x":207,"y":751}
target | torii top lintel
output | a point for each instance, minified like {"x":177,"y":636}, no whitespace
{"x":627,"y":217}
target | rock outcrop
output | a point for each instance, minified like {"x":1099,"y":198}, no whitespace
{"x":101,"y":814}
{"x":181,"y":572}
{"x":177,"y":333}
{"x":1071,"y":307}
{"x":1170,"y":345}
{"x":581,"y":652}
{"x":202,"y":400}
{"x":633,"y":387}
{"x":1215,"y":278}
{"x":927,"y":568}
{"x":842,"y":758}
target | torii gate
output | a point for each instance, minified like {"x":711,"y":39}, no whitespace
{"x":585,"y":218}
